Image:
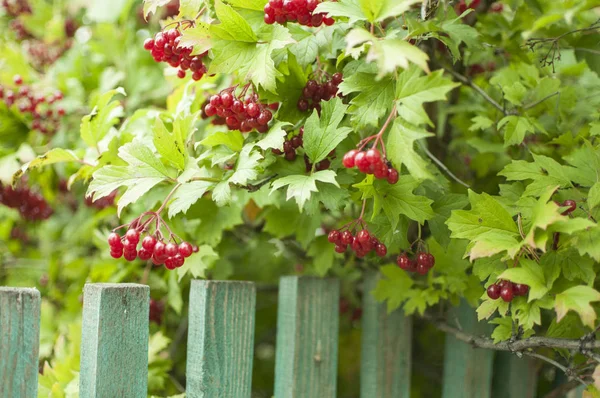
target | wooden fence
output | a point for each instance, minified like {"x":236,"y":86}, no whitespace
{"x":220,"y":345}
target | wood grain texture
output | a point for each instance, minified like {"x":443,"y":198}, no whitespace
{"x":307,"y":337}
{"x":467,"y":370}
{"x":114,"y":341}
{"x":19,"y":342}
{"x":385,"y":368}
{"x":220,"y":342}
{"x":514,"y":377}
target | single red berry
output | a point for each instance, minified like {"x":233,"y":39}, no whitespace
{"x":422,"y":269}
{"x":336,"y":78}
{"x":506,"y":293}
{"x":178,"y":260}
{"x":493,"y":291}
{"x":181,"y":73}
{"x":185,"y":249}
{"x":149,"y":44}
{"x":349,"y":158}
{"x":360,"y":160}
{"x":128,"y":246}
{"x":227,"y":99}
{"x":195,"y":249}
{"x":340,"y":248}
{"x":130,"y":255}
{"x":210,"y":110}
{"x":430,"y":260}
{"x":571,"y":204}
{"x":363,"y":236}
{"x":521,"y":289}
{"x":18,"y":80}
{"x":381,"y":250}
{"x":334,"y":236}
{"x":170,"y":263}
{"x":159,"y":250}
{"x":403,"y":261}
{"x":116,"y":252}
{"x":296,"y":141}
{"x":422,"y":258}
{"x":393,"y":176}
{"x":114,"y":240}
{"x":133,"y":236}
{"x":215,"y":100}
{"x":144,"y":254}
{"x":171,"y":249}
{"x":148,"y":243}
{"x":373,"y":156}
{"x":347,"y":237}
{"x":355,"y":245}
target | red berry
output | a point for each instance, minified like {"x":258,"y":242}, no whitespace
{"x":360,"y":160}
{"x":210,"y":110}
{"x":430,"y":260}
{"x":133,"y":236}
{"x":114,"y":240}
{"x":334,"y":236}
{"x":571,"y":204}
{"x":373,"y":156}
{"x":178,"y":260}
{"x":170,"y":263}
{"x":422,"y":258}
{"x":195,"y":249}
{"x":116,"y":253}
{"x":185,"y":249}
{"x":403,"y":261}
{"x":215,"y":100}
{"x":381,"y":250}
{"x":181,"y":73}
{"x":149,"y":44}
{"x":493,"y":291}
{"x":347,"y":237}
{"x":393,"y":176}
{"x":363,"y":236}
{"x":18,"y":79}
{"x":227,"y":99}
{"x":336,"y":78}
{"x":506,"y":293}
{"x":144,"y":254}
{"x":521,"y":289}
{"x":130,"y":255}
{"x":422,"y":269}
{"x":171,"y":249}
{"x":340,"y":248}
{"x":159,"y":250}
{"x":349,"y":159}
{"x":148,"y":243}
{"x":296,"y":141}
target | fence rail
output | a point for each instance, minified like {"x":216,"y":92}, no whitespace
{"x":220,"y":346}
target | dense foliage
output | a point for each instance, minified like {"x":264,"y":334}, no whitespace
{"x":450,"y":145}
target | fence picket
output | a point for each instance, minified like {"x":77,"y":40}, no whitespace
{"x":307,"y":337}
{"x":114,"y":341}
{"x":220,"y":339}
{"x":385,"y":368}
{"x":514,"y":377}
{"x":467,"y":370}
{"x":19,"y":342}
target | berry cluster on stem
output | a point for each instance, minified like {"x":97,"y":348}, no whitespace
{"x":166,"y":47}
{"x":421,"y":263}
{"x":14,"y":8}
{"x":290,"y":145}
{"x":241,"y":112}
{"x":282,"y":11}
{"x":372,"y":161}
{"x":41,"y":109}
{"x":361,"y":242}
{"x":313,"y":93}
{"x":506,"y":290}
{"x":31,"y":205}
{"x":101,"y":203}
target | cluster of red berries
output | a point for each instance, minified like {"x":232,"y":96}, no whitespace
{"x":290,"y":145}
{"x":570,"y":205}
{"x":507,"y":290}
{"x":462,"y":6}
{"x":21,"y":32}
{"x":45,"y":117}
{"x":32,"y":206}
{"x":282,"y":11}
{"x":43,"y":54}
{"x":313,"y":93}
{"x":361,"y":244}
{"x":171,"y":255}
{"x":244,"y":115}
{"x":421,"y":264}
{"x":103,"y":202}
{"x":166,"y":47}
{"x":14,"y":8}
{"x":371,"y":162}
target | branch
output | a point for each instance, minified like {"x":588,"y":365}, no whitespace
{"x":562,"y":390}
{"x":567,"y":371}
{"x":519,"y":345}
{"x":529,"y":106}
{"x":479,"y":90}
{"x":257,"y":186}
{"x":443,"y":166}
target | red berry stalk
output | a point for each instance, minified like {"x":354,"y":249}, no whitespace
{"x":40,"y":110}
{"x":241,"y":112}
{"x":282,"y":11}
{"x":361,"y":242}
{"x":313,"y":93}
{"x":166,"y":47}
{"x":507,"y":290}
{"x":372,"y":161}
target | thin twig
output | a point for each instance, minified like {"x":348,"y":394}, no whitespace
{"x":443,"y":166}
{"x":479,"y":90}
{"x":529,"y":106}
{"x":566,"y":370}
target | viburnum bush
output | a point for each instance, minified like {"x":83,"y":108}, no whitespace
{"x":449,"y":145}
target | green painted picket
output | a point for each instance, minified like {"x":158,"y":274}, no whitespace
{"x":220,"y":346}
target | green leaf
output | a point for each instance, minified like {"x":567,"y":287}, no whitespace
{"x":504,"y":329}
{"x":275,"y":137}
{"x":350,"y":9}
{"x":573,"y":265}
{"x":373,"y":100}
{"x":198,"y":263}
{"x":246,"y":166}
{"x":515,"y":129}
{"x":481,"y":123}
{"x":587,"y":242}
{"x":198,"y":37}
{"x":257,"y":5}
{"x":56,"y":155}
{"x":394,"y":287}
{"x":104,"y":116}
{"x":488,"y":266}
{"x":233,"y":26}
{"x":189,"y":8}
{"x":320,"y":251}
{"x":399,"y":199}
{"x":413,"y":90}
{"x":594,"y":196}
{"x":323,"y":134}
{"x":530,"y":273}
{"x":544,"y":213}
{"x":391,"y":8}
{"x":300,"y":187}
{"x":233,"y":140}
{"x":188,"y":194}
{"x":401,"y":151}
{"x":544,"y":172}
{"x":137,"y":154}
{"x":170,"y":145}
{"x":214,"y":220}
{"x":150,"y":6}
{"x":578,"y":299}
{"x":488,"y":307}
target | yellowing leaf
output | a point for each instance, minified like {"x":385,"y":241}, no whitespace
{"x":578,"y":299}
